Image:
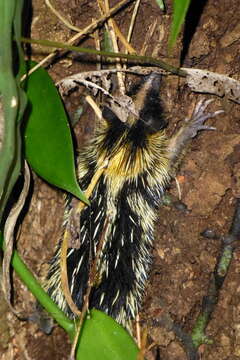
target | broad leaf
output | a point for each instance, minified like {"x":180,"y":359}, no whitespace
{"x":12,"y":99}
{"x":48,"y":141}
{"x":180,"y":8}
{"x":104,"y":339}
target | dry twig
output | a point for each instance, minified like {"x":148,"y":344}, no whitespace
{"x":61,"y":18}
{"x":110,"y":27}
{"x":67,"y":240}
{"x":9,"y":229}
{"x":94,"y":106}
{"x":90,"y":28}
{"x":133,"y":19}
{"x":92,"y":276}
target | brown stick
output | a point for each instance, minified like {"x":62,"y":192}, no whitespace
{"x":90,"y":28}
{"x":91,"y":279}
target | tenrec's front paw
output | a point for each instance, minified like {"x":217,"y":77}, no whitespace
{"x":198,"y":118}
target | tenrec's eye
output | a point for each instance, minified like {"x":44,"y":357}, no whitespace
{"x":155,"y":123}
{"x":109,"y":115}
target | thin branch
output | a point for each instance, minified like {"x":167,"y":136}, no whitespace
{"x":133,"y":19}
{"x":111,"y":23}
{"x":91,"y":281}
{"x":35,"y":288}
{"x":130,"y":30}
{"x":61,"y":18}
{"x":9,"y":229}
{"x":165,"y":320}
{"x":94,"y":106}
{"x":178,"y":188}
{"x":147,"y":60}
{"x":67,"y":240}
{"x":138,"y":70}
{"x":111,"y":30}
{"x":142,"y":344}
{"x":124,"y":103}
{"x":123,"y":40}
{"x":64,"y":274}
{"x":118,"y":32}
{"x":191,"y":342}
{"x":217,"y":280}
{"x":89,"y":29}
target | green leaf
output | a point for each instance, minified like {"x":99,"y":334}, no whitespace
{"x":22,"y":63}
{"x":180,"y":8}
{"x":33,"y":285}
{"x":102,"y":338}
{"x":48,"y":141}
{"x":12,"y":100}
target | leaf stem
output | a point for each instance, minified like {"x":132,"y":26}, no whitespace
{"x":132,"y":57}
{"x":34,"y":287}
